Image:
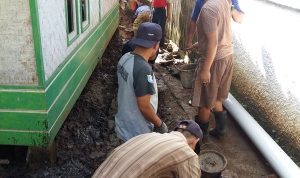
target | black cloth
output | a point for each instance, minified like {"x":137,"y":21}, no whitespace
{"x":160,"y":17}
{"x":127,"y":47}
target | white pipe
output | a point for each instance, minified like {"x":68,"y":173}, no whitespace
{"x":279,"y":160}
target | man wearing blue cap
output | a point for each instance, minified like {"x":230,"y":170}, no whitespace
{"x":156,"y":155}
{"x":137,"y":93}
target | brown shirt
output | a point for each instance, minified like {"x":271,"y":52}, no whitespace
{"x":215,"y":15}
{"x":151,"y":155}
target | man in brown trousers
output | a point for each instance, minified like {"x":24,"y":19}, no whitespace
{"x":214,"y":72}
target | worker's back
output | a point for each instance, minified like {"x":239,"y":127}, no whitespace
{"x":151,"y":155}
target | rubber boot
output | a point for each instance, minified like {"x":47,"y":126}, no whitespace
{"x":219,"y":129}
{"x":203,"y":126}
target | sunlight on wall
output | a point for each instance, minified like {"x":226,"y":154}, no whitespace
{"x":272,"y":41}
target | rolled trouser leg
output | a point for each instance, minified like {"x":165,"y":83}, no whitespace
{"x":219,"y":129}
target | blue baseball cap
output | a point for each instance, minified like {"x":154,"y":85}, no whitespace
{"x":147,"y":35}
{"x":194,"y":129}
{"x":190,"y":126}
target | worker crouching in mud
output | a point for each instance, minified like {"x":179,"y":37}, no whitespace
{"x":155,"y":155}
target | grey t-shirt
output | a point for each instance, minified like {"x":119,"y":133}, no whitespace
{"x":135,"y":79}
{"x":142,"y":77}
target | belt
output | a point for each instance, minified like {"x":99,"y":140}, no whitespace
{"x":159,"y":7}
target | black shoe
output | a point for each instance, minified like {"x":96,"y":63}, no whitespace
{"x":216,"y":133}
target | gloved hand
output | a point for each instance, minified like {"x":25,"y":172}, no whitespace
{"x":161,"y":129}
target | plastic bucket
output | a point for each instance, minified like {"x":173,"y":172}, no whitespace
{"x":186,"y":73}
{"x":212,"y":163}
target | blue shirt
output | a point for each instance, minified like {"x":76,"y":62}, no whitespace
{"x":199,"y":4}
{"x":142,"y":8}
{"x":196,"y":10}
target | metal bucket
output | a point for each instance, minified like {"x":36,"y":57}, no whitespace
{"x":186,"y":73}
{"x":212,"y":163}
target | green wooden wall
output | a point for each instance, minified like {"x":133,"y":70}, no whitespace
{"x":33,"y":115}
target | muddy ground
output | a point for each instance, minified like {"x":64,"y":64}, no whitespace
{"x":87,"y":136}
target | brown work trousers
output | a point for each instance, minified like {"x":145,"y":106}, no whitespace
{"x":219,"y":86}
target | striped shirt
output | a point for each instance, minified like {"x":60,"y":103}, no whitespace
{"x":151,"y":155}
